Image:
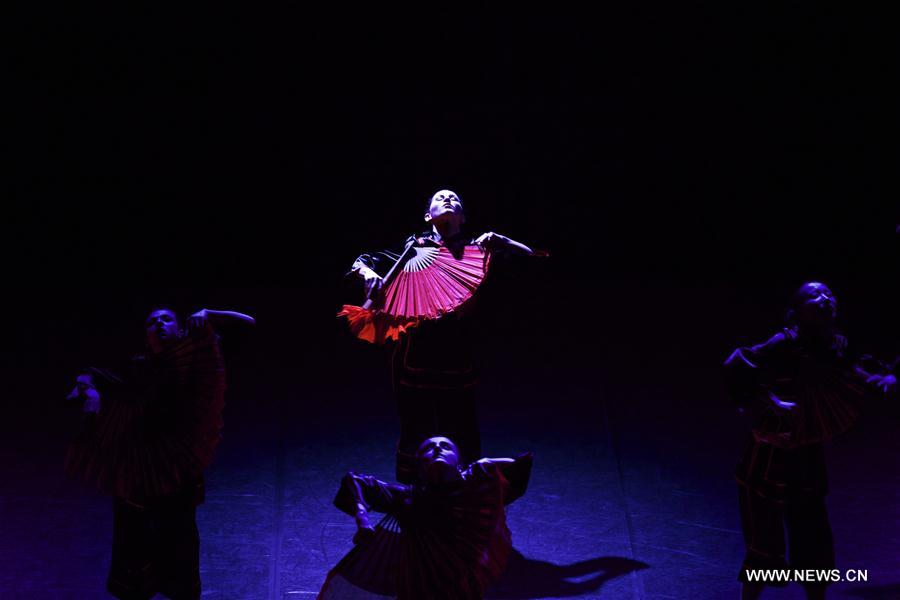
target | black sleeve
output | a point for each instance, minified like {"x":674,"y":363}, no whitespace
{"x":746,"y":369}
{"x":516,"y":472}
{"x":372,"y":493}
{"x":381,"y":261}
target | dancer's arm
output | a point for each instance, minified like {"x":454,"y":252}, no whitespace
{"x":500,"y":243}
{"x":359,"y":494}
{"x":516,"y":471}
{"x":86,"y":392}
{"x":208,"y":318}
{"x":372,"y":281}
{"x":885,"y":382}
{"x":745,"y":376}
{"x":88,"y":384}
{"x":372,"y":268}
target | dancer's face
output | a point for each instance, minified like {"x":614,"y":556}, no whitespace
{"x":445,"y":207}
{"x":438,"y":459}
{"x":815,"y":304}
{"x":162,"y":329}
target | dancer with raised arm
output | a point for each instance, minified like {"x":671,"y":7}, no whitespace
{"x":419,"y":297}
{"x":799,"y":389}
{"x":148,"y":432}
{"x":443,"y":537}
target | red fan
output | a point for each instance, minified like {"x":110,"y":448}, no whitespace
{"x":465,"y":549}
{"x":427,"y":282}
{"x":158,"y":425}
{"x":441,"y":545}
{"x":826,"y":402}
{"x":370,"y":569}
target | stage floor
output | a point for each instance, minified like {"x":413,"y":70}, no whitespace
{"x":630,"y":498}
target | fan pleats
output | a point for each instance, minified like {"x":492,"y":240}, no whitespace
{"x":431,"y":284}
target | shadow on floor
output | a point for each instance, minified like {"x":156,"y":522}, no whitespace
{"x":527,"y":578}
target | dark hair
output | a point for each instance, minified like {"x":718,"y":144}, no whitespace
{"x":160,"y":306}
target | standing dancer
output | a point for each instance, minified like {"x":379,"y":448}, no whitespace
{"x":800,"y":388}
{"x":444,"y":538}
{"x":432,"y":368}
{"x":149,"y":431}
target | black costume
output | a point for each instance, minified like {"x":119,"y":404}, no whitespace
{"x":156,"y":431}
{"x":782,"y":480}
{"x":445,"y":541}
{"x":433,"y":373}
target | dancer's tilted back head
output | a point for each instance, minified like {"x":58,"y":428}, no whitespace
{"x":438,"y":460}
{"x":812,"y":305}
{"x":445,"y":207}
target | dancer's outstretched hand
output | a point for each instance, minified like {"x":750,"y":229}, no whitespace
{"x":198,"y":321}
{"x":364,"y":529}
{"x":84,"y":390}
{"x":886,"y":383}
{"x":372,"y":282}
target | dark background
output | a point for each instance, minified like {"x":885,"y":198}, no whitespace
{"x":686,"y":166}
{"x":665,"y":156}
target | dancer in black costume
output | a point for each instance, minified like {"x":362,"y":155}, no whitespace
{"x":433,"y":374}
{"x":149,"y":430}
{"x":445,"y":537}
{"x":799,"y":389}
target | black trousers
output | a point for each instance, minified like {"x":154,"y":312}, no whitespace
{"x":156,"y":546}
{"x":766,"y":523}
